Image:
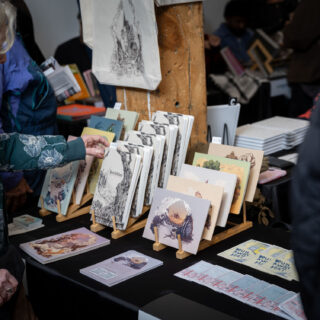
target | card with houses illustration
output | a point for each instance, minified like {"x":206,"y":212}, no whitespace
{"x":175,"y":213}
{"x":170,"y":133}
{"x":116,"y":186}
{"x":254,"y":157}
{"x":217,"y":178}
{"x":157,"y":143}
{"x":97,"y":163}
{"x":120,"y":268}
{"x":183,"y":135}
{"x":129,"y":118}
{"x":106,"y":124}
{"x":240,"y":168}
{"x":58,"y":185}
{"x":146,"y":154}
{"x":200,"y":190}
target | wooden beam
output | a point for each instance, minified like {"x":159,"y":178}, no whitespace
{"x":183,"y":85}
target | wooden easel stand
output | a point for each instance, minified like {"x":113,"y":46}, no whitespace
{"x":132,"y":226}
{"x":204,"y":244}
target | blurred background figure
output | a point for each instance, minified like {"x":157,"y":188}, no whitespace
{"x":302,"y":34}
{"x":234,"y":33}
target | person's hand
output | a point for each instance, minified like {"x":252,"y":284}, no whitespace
{"x":95,"y":145}
{"x":17,"y":197}
{"x":8,"y":286}
{"x":214,"y":40}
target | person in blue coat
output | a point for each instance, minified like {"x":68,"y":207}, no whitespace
{"x":233,"y":33}
{"x":28,"y":105}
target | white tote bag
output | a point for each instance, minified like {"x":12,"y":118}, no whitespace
{"x":125,"y":43}
{"x":86,"y":7}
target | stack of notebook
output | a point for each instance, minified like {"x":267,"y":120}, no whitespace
{"x":272,"y":135}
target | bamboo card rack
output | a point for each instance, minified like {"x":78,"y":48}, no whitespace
{"x":133,"y":225}
{"x":74,"y":210}
{"x":235,"y":229}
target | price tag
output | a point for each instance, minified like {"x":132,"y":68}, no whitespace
{"x":117,"y":106}
{"x":216,"y":140}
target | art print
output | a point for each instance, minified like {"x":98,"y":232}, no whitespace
{"x":225,"y":180}
{"x":182,"y":122}
{"x":105,"y":124}
{"x":63,"y":245}
{"x":128,"y":118}
{"x":157,"y":143}
{"x":116,"y":184}
{"x":170,"y":133}
{"x":200,"y":190}
{"x":240,"y":168}
{"x":58,"y":185}
{"x":175,"y":213}
{"x":121,"y":267}
{"x":254,"y":157}
{"x":126,"y":44}
{"x":96,"y":164}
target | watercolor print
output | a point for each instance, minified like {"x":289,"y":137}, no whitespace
{"x":254,"y":157}
{"x":240,"y":168}
{"x":174,"y":213}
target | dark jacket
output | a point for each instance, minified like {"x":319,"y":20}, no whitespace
{"x":303,"y":36}
{"x":305,"y":212}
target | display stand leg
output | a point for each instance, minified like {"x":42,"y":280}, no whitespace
{"x":43,"y":212}
{"x":181,"y":254}
{"x":74,"y":210}
{"x":157,"y":246}
{"x":95,"y":227}
{"x":220,"y":236}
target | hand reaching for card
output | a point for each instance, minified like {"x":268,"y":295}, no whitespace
{"x":95,"y":145}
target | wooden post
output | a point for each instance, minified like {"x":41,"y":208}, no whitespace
{"x":183,"y":85}
{"x":181,"y":254}
{"x":95,"y":227}
{"x":157,"y":246}
{"x":43,"y":212}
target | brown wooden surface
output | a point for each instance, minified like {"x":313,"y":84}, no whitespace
{"x":183,"y":85}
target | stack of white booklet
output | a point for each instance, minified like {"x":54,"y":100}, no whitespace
{"x":146,"y":154}
{"x":184,"y":123}
{"x":157,"y":143}
{"x":245,"y":288}
{"x":121,"y":267}
{"x":264,"y":257}
{"x":116,"y":186}
{"x":170,"y":133}
{"x":272,"y":135}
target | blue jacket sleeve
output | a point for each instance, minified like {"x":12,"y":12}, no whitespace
{"x":27,"y":152}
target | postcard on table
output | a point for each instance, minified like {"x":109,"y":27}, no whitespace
{"x":254,"y":157}
{"x":240,"y":168}
{"x":27,"y":221}
{"x":63,"y":245}
{"x":245,"y":251}
{"x":121,"y":267}
{"x":293,"y":307}
{"x":200,"y":190}
{"x":175,"y":213}
{"x":226,"y":180}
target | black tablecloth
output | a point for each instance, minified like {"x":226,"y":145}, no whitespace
{"x":58,"y":291}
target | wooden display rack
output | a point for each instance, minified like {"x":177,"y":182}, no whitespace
{"x":132,"y":226}
{"x":235,"y":229}
{"x":74,"y":210}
